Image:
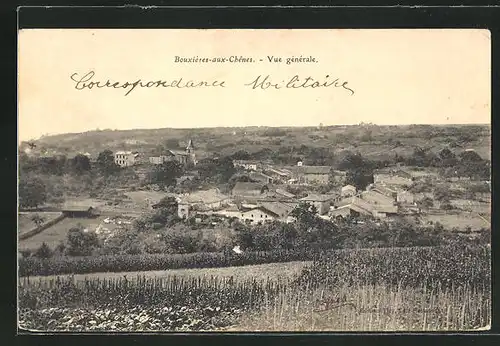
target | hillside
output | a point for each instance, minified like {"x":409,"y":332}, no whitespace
{"x":370,"y":140}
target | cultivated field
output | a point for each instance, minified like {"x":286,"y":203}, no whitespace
{"x":419,"y":289}
{"x":241,"y":273}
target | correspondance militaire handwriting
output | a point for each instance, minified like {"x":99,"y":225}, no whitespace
{"x":86,"y":81}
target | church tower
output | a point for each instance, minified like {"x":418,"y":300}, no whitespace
{"x":190,"y":151}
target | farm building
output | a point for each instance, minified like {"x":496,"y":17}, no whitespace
{"x":80,"y":211}
{"x":392,"y":177}
{"x":351,"y":209}
{"x":267,"y":212}
{"x":321,"y":202}
{"x":202,"y":200}
{"x":280,"y":175}
{"x":389,"y":191}
{"x":282,"y":210}
{"x":313,"y":174}
{"x":261,"y":177}
{"x":248,"y":189}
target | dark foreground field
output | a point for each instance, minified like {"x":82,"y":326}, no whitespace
{"x":419,"y":289}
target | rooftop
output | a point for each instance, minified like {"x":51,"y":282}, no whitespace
{"x":313,"y":169}
{"x":317,"y":198}
{"x":204,"y":196}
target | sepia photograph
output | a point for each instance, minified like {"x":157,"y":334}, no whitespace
{"x":254,"y":180}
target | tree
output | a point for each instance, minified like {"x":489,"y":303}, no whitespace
{"x":241,"y":155}
{"x":470,"y":157}
{"x":38,"y":220}
{"x":448,"y":158}
{"x":81,"y":242}
{"x":80,"y":164}
{"x":106,"y":162}
{"x":32,"y":192}
{"x":166,"y":173}
{"x":359,"y":170}
{"x":43,"y":251}
{"x":425,"y":203}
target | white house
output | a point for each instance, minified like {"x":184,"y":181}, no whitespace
{"x":126,"y":158}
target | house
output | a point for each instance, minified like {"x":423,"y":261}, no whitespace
{"x":202,"y":200}
{"x":348,"y":191}
{"x":247,"y":164}
{"x":392,"y":176}
{"x":261,"y":177}
{"x":359,"y":206}
{"x":80,"y":211}
{"x":126,"y":158}
{"x":321,"y":202}
{"x":351,"y":209}
{"x":313,"y":174}
{"x":249,"y":189}
{"x":188,"y":156}
{"x":376,"y":198}
{"x":380,"y":205}
{"x":385,"y":190}
{"x":337,"y":176}
{"x":158,"y":160}
{"x":405,"y":197}
{"x":256,"y":215}
{"x":267,"y":212}
{"x":280,"y":175}
{"x":286,"y":194}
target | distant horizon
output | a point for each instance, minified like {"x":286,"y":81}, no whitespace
{"x":392,"y":76}
{"x":242,"y":127}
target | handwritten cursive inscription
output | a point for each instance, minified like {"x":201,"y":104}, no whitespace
{"x":296,"y":82}
{"x":86,"y":82}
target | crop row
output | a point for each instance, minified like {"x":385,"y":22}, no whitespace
{"x":33,"y":266}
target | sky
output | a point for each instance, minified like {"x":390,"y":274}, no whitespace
{"x":413,"y":76}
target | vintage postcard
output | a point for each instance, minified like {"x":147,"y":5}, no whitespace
{"x":182,"y":180}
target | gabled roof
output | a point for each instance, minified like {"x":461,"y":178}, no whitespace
{"x":317,"y":198}
{"x":176,"y":153}
{"x":285,"y":193}
{"x":348,"y":187}
{"x":278,"y":208}
{"x":204,"y":196}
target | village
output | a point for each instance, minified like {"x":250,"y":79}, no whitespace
{"x":263,"y":191}
{"x":266,"y":196}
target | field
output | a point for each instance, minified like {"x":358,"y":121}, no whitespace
{"x":258,"y":271}
{"x":25,"y":223}
{"x":57,"y":233}
{"x":412,"y":289}
{"x":461,"y":220}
